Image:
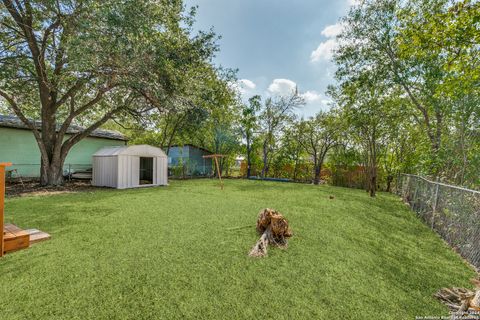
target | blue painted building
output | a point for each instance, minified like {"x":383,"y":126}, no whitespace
{"x":187,"y":160}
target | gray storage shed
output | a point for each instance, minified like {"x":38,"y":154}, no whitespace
{"x":130,"y":167}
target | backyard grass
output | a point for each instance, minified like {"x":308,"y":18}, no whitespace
{"x":172,"y":253}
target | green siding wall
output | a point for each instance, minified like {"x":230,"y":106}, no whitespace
{"x":19,"y":147}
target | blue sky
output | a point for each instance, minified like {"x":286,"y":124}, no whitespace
{"x":276,"y":44}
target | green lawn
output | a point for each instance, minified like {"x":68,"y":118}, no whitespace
{"x":170,"y":252}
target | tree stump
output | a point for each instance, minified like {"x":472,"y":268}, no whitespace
{"x":460,"y":300}
{"x":273,"y":229}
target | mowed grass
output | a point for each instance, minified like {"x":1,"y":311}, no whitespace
{"x":174,"y":253}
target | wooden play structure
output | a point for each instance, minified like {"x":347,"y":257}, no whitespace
{"x":13,"y":238}
{"x":215,"y":157}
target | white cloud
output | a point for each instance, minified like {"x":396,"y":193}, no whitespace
{"x":285,"y":87}
{"x":282,"y":87}
{"x":243,"y":86}
{"x":313,"y":107}
{"x":247,"y":84}
{"x":311,"y":96}
{"x":324,"y":50}
{"x":327,"y":103}
{"x":333,"y":30}
{"x":353,"y":2}
{"x":314,"y":101}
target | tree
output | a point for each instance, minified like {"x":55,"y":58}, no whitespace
{"x":399,"y":154}
{"x":219,"y":133}
{"x":426,"y":52}
{"x":365,"y":125}
{"x":225,"y":141}
{"x":319,"y":135}
{"x":274,"y":116}
{"x":85,"y":61}
{"x":371,"y":39}
{"x":166,"y":127}
{"x":248,"y":123}
{"x":447,"y":32}
{"x":291,"y":150}
{"x":368,"y":105}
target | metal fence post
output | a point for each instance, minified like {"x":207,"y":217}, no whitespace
{"x":454,"y":210}
{"x":415,"y":195}
{"x":405,"y":187}
{"x":434,"y":204}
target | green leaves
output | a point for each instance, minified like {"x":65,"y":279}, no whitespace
{"x":88,"y":61}
{"x":412,"y":64}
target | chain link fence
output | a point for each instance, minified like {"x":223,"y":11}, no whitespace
{"x":453,"y":212}
{"x":183,"y":171}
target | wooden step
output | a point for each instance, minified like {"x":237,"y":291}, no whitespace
{"x":14,"y":238}
{"x":37,"y":235}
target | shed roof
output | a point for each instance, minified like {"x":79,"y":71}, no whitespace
{"x":14,"y":122}
{"x":142,"y":150}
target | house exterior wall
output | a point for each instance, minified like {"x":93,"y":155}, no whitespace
{"x":178,"y":155}
{"x":192,"y":158}
{"x":19,"y":147}
{"x":203,"y":166}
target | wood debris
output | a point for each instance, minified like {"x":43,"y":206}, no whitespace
{"x":273,"y":229}
{"x":462,"y":302}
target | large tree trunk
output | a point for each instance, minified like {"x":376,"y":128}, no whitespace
{"x":373,"y":164}
{"x":249,"y":160}
{"x":265,"y":161}
{"x":295,"y":170}
{"x":389,"y":183}
{"x":51,"y":170}
{"x":318,"y":166}
{"x":373,"y":185}
{"x":51,"y":174}
{"x":371,"y":177}
{"x":318,"y":170}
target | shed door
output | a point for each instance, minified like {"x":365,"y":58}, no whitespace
{"x":146,"y":171}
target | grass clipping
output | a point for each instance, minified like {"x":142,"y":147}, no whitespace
{"x":462,"y":301}
{"x":273,"y":230}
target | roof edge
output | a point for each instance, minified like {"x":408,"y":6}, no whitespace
{"x":7,"y":121}
{"x":188,"y":145}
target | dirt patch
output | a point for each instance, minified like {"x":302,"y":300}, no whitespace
{"x":33,"y":188}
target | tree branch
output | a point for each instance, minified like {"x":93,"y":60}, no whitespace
{"x":25,"y":23}
{"x":77,"y":86}
{"x":70,"y":142}
{"x":75,"y":113}
{"x":47,"y":33}
{"x":31,"y":125}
